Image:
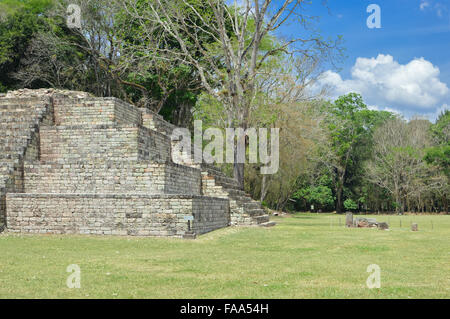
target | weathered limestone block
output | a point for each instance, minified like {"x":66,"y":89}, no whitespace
{"x":349,"y":220}
{"x":383,"y":226}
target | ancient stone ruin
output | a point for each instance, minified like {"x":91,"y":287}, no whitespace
{"x":362,"y":222}
{"x":73,"y":163}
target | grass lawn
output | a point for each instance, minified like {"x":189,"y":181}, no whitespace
{"x":304,"y":256}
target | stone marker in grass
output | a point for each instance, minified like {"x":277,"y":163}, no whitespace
{"x":383,"y":226}
{"x":349,"y":220}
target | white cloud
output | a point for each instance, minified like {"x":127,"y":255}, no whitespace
{"x":424,"y":4}
{"x":434,"y":6}
{"x":410,"y":88}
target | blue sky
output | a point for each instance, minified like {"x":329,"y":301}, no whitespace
{"x":404,"y":66}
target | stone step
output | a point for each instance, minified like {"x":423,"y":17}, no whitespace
{"x":189,"y":235}
{"x":261,"y":219}
{"x":226,"y":180}
{"x":9,"y":156}
{"x":235,"y":192}
{"x":252,"y":205}
{"x":18,"y":119}
{"x":20,"y":112}
{"x":240,"y":200}
{"x":9,"y":162}
{"x":7,"y":152}
{"x":18,"y":126}
{"x":23,"y":101}
{"x":219,"y":175}
{"x":225,"y":185}
{"x":228,"y":185}
{"x":156,"y":122}
{"x":214,"y":189}
{"x":14,"y":134}
{"x":12,"y":146}
{"x":212,"y":169}
{"x":14,"y":110}
{"x":5,"y":168}
{"x":267,"y":224}
{"x":255,"y":212}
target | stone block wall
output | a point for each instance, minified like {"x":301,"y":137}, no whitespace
{"x":103,"y":143}
{"x":92,"y":143}
{"x":20,"y":119}
{"x":156,"y":122}
{"x":153,"y":146}
{"x":111,"y":177}
{"x":2,"y":210}
{"x":210,"y":213}
{"x":144,"y":215}
{"x":95,"y":111}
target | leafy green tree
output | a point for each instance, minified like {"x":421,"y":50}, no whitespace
{"x":397,"y":163}
{"x":37,"y":49}
{"x":350,"y":204}
{"x":229,"y":68}
{"x":22,"y":20}
{"x":349,"y":125}
{"x":439,"y":155}
{"x":320,"y":196}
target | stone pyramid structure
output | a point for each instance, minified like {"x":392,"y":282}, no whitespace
{"x":73,"y":163}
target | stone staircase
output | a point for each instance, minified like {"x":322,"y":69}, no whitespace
{"x":243,"y":209}
{"x":19,"y":126}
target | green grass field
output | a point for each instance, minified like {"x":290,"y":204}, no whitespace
{"x":304,"y":256}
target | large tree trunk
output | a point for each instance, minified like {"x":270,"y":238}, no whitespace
{"x":398,"y":204}
{"x":239,"y":168}
{"x":339,"y":189}
{"x":238,"y":172}
{"x":445,"y":203}
{"x":263,"y":188}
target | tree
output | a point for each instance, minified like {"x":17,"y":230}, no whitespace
{"x":439,"y":155}
{"x":320,"y":196}
{"x":349,"y":126}
{"x":349,"y":204}
{"x":284,"y":100}
{"x":21,"y":21}
{"x":101,"y":57}
{"x":228,"y":69}
{"x":397,"y":164}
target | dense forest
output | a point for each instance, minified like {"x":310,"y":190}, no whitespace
{"x":192,"y":60}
